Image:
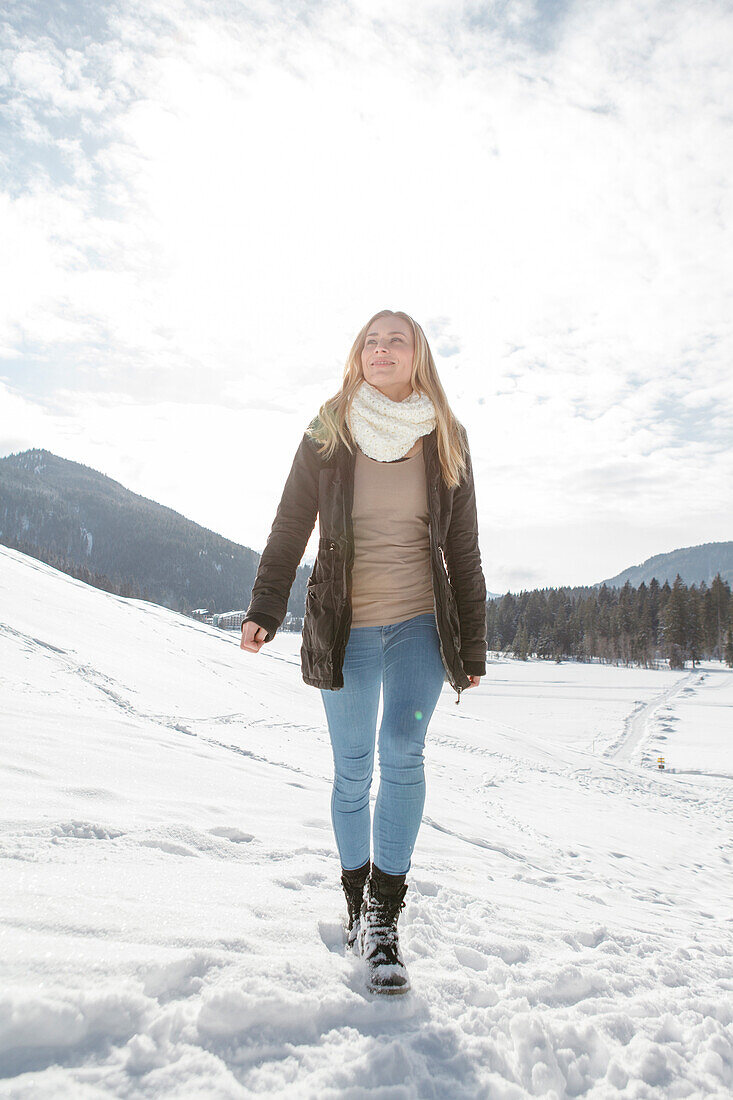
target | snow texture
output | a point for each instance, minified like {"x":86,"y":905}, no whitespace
{"x":170,"y":912}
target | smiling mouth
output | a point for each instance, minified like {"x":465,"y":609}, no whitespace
{"x":382,"y":364}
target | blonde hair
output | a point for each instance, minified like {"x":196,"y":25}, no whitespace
{"x":330,"y":425}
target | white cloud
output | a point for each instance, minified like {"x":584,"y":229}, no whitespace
{"x":545,"y":190}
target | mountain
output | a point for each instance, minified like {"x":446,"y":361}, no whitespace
{"x":693,"y":563}
{"x":74,"y":517}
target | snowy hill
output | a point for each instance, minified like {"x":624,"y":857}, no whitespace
{"x":693,"y":563}
{"x":170,"y":909}
{"x":73,"y":515}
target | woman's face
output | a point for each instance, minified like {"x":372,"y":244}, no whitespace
{"x":386,"y":359}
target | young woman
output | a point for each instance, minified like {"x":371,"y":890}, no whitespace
{"x":395,"y":604}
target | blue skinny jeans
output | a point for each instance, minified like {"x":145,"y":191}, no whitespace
{"x":404,"y":661}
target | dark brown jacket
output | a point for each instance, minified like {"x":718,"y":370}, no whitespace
{"x":316,"y":487}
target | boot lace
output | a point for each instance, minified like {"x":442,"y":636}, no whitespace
{"x":382,"y":914}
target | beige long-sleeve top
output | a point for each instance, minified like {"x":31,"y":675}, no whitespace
{"x":391,"y":573}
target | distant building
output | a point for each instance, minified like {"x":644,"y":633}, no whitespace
{"x":232,"y":620}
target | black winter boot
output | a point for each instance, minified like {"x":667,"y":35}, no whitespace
{"x":353,"y":883}
{"x":379,"y":943}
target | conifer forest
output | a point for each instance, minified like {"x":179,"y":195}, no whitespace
{"x":642,"y":626}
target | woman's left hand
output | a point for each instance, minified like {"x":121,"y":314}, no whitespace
{"x":475,"y":680}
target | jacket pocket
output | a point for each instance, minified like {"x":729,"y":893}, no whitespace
{"x":321,"y":615}
{"x":329,"y":563}
{"x":328,"y":547}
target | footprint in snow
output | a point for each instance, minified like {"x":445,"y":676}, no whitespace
{"x":235,"y":835}
{"x":168,"y":847}
{"x":468,"y":956}
{"x":83,"y":830}
{"x":332,"y":934}
{"x":427,"y":889}
{"x":297,"y":882}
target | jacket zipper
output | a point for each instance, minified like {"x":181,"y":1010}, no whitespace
{"x":440,"y":643}
{"x":332,"y":548}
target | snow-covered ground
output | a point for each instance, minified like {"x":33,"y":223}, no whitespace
{"x":170,"y":905}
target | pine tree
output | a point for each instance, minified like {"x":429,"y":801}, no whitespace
{"x":729,"y":648}
{"x":520,"y":646}
{"x":717,"y":614}
{"x":695,"y":627}
{"x":674,"y":624}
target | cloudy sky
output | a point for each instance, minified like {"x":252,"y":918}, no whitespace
{"x":202,"y":202}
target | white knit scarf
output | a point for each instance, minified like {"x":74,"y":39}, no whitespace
{"x":386,"y":429}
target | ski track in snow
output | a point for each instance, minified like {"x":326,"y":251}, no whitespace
{"x":636,"y":725}
{"x":170,"y":922}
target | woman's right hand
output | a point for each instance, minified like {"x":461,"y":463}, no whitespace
{"x":253,"y":637}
